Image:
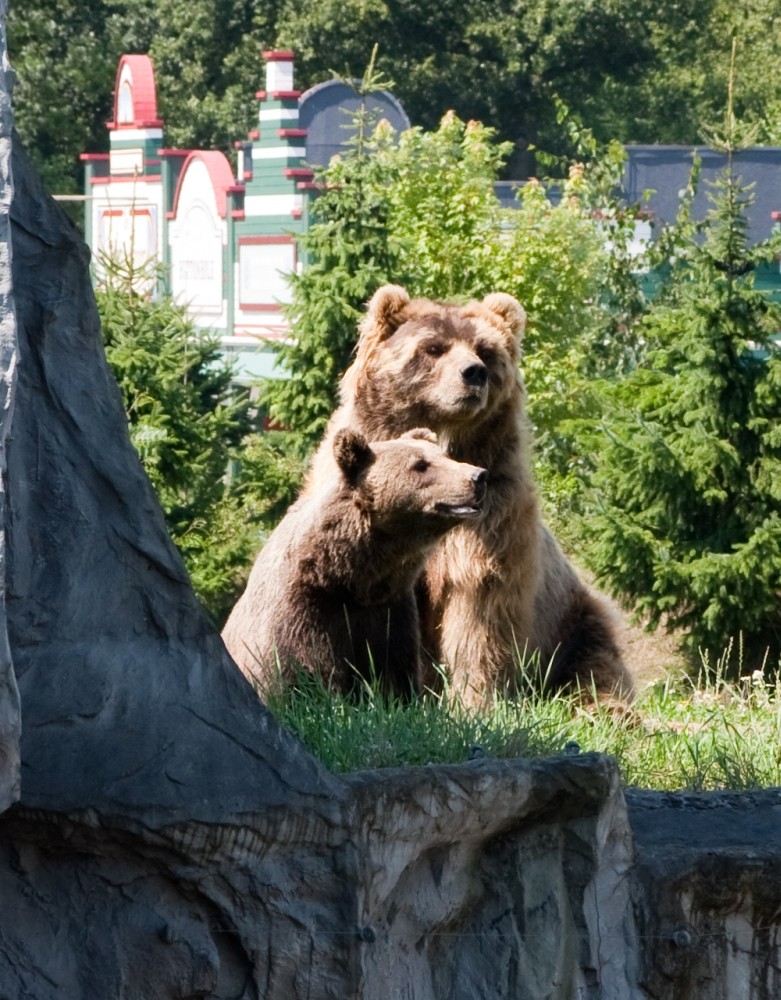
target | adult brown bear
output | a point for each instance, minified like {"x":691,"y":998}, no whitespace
{"x":333,"y":588}
{"x":500,"y":589}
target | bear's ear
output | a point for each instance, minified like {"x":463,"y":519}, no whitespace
{"x":352,"y":453}
{"x":385,"y":312}
{"x":508,"y":309}
{"x":421,"y":434}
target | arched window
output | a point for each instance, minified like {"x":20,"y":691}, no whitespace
{"x":125,"y":110}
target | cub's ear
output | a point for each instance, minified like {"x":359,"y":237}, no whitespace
{"x":422,"y":434}
{"x":352,"y":453}
{"x":508,"y":309}
{"x":385,"y":312}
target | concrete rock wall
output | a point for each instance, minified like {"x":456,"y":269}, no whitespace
{"x":707,"y":891}
{"x":10,"y":719}
{"x":464,"y":898}
{"x":476,"y":881}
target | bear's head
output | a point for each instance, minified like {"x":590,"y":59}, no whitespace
{"x":426,"y":363}
{"x":408,"y":485}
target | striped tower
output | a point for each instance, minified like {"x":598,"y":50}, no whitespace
{"x":273,"y":194}
{"x":125,"y":193}
{"x":275,"y":179}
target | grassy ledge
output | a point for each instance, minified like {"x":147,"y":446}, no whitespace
{"x":683,"y":734}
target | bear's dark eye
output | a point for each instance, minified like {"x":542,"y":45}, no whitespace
{"x":420,"y":466}
{"x":434,"y":350}
{"x":486,"y":354}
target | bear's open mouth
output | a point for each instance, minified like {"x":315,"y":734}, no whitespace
{"x":459,"y":509}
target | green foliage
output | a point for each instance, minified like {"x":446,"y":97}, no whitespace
{"x":267,"y":475}
{"x":689,"y":504}
{"x":635,"y":69}
{"x":65,"y":66}
{"x":208,"y":67}
{"x":554,"y":260}
{"x":65,"y":55}
{"x":684,"y":85}
{"x":572,"y":261}
{"x":444,"y":234}
{"x":347,"y":258}
{"x":186,"y":422}
{"x":640,"y":71}
{"x":595,"y":179}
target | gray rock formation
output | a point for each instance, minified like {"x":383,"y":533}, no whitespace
{"x":486,"y":880}
{"x":110,"y":647}
{"x":9,"y":694}
{"x":495,"y":880}
{"x":707,"y":890}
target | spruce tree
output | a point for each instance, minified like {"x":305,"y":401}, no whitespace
{"x":186,"y":421}
{"x":689,"y":480}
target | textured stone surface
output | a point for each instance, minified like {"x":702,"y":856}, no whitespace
{"x":707,"y":890}
{"x":110,"y":647}
{"x":9,"y":694}
{"x":476,"y":881}
{"x":496,"y":880}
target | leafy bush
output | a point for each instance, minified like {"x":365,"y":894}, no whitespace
{"x":444,"y":219}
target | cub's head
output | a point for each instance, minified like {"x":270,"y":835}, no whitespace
{"x":425,"y":363}
{"x":408,"y":485}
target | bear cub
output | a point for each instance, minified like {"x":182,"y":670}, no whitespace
{"x":333,"y":588}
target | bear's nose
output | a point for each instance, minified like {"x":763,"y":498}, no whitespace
{"x":476,"y":374}
{"x":480,"y":481}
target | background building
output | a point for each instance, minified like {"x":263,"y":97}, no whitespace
{"x":226,"y":239}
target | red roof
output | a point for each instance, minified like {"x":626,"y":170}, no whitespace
{"x":142,"y":76}
{"x":220,"y":174}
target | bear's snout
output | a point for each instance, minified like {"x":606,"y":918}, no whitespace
{"x":480,"y":482}
{"x":475,"y":374}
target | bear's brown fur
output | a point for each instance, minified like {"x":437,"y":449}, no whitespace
{"x":333,"y":588}
{"x":501,"y":588}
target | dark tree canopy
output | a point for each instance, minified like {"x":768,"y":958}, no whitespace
{"x":491,"y":61}
{"x":633,"y":70}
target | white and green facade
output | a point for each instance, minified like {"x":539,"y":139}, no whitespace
{"x":227,"y":240}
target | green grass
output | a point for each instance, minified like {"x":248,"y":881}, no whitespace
{"x":682,"y":734}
